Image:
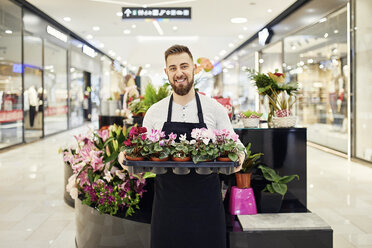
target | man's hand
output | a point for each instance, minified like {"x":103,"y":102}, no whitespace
{"x":121,"y":160}
{"x":241,"y":158}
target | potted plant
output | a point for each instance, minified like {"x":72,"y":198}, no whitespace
{"x":157,"y":147}
{"x":243,"y":177}
{"x":227,"y":145}
{"x":181,"y":151}
{"x":282,"y":104}
{"x":134,"y":145}
{"x":204,"y":143}
{"x":272,"y":195}
{"x":251,"y":118}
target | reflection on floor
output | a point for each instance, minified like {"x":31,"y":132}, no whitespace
{"x":33,"y":213}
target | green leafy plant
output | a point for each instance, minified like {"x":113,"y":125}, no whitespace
{"x":251,"y":160}
{"x":277,"y":183}
{"x":251,"y":114}
{"x":182,"y":149}
{"x":152,"y":95}
{"x":137,"y":106}
{"x":157,"y":145}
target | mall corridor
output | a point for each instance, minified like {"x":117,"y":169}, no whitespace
{"x":34,"y":215}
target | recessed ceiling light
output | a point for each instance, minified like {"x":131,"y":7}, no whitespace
{"x":119,"y":13}
{"x":240,"y":36}
{"x":245,"y":28}
{"x":269,"y":10}
{"x":126,"y":31}
{"x":335,"y":31}
{"x":96,"y":28}
{"x":238,"y":20}
{"x":323,"y":20}
{"x":67,"y":19}
{"x":175,"y":28}
{"x":89,"y":36}
{"x":223,"y":52}
{"x":231,"y":44}
{"x":134,"y":26}
{"x":8,"y":31}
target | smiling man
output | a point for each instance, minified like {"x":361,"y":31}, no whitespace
{"x":187,"y":209}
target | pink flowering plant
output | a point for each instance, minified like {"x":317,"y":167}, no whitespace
{"x":183,"y":148}
{"x":157,"y":145}
{"x":98,"y":179}
{"x":203,"y":141}
{"x":227,"y":144}
{"x":136,"y":142}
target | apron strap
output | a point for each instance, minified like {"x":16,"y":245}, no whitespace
{"x":198,"y":104}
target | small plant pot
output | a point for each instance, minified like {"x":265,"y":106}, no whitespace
{"x":158,"y":159}
{"x":224,"y":159}
{"x":251,"y":122}
{"x":181,"y":170}
{"x":270,"y":203}
{"x":203,"y":170}
{"x":243,"y":180}
{"x":134,"y":158}
{"x":185,"y":159}
{"x":288,"y":121}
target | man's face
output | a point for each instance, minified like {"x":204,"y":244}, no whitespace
{"x":180,"y":72}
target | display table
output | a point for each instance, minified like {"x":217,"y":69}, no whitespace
{"x":106,"y":120}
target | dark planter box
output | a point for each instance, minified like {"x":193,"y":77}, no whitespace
{"x":270,"y":203}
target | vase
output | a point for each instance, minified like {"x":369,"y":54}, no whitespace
{"x":159,"y":159}
{"x":270,"y":202}
{"x":251,"y":122}
{"x":134,"y":158}
{"x":243,"y":180}
{"x":224,"y":159}
{"x":288,"y":121}
{"x":185,"y":159}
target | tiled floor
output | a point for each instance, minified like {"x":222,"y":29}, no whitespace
{"x":33,"y":213}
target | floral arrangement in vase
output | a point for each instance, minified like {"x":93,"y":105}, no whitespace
{"x":98,"y":179}
{"x":227,"y":145}
{"x":135,"y":144}
{"x":273,"y":85}
{"x":251,"y":118}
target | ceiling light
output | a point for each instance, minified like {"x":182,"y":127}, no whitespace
{"x":89,"y":36}
{"x":325,"y":35}
{"x":245,"y":28}
{"x":231,"y":44}
{"x":238,"y":20}
{"x":175,"y":28}
{"x":119,"y":13}
{"x":67,"y":19}
{"x":240,"y":36}
{"x":335,"y":31}
{"x":96,"y":28}
{"x":158,"y":28}
{"x":134,"y":26}
{"x":126,"y":31}
{"x":147,"y":65}
{"x":8,"y":31}
{"x":269,"y":10}
{"x":223,"y":52}
{"x":323,"y":20}
{"x":260,"y":61}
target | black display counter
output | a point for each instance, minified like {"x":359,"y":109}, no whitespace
{"x":106,"y":120}
{"x":284,"y":150}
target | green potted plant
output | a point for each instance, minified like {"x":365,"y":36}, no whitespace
{"x":251,"y":118}
{"x":282,"y":104}
{"x":157,"y":147}
{"x":243,"y":177}
{"x":228,"y":145}
{"x":273,"y":193}
{"x":181,"y":151}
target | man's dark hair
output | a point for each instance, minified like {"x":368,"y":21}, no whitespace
{"x":177,"y":49}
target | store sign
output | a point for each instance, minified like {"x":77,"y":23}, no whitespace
{"x":11,"y":116}
{"x":56,"y":33}
{"x":156,"y":13}
{"x":264,"y":36}
{"x":89,"y":51}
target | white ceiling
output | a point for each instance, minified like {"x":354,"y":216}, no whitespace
{"x":210,"y":26}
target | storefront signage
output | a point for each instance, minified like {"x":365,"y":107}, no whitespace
{"x":264,"y":36}
{"x":54,"y":32}
{"x":11,"y":116}
{"x":156,"y":13}
{"x":89,"y":51}
{"x":17,"y":68}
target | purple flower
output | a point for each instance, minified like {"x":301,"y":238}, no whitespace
{"x":161,"y":143}
{"x":172,"y":136}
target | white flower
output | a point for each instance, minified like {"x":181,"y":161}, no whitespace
{"x":74,"y":193}
{"x":72,"y":187}
{"x":120,"y":174}
{"x":206,"y":141}
{"x":192,"y":142}
{"x":108,"y":176}
{"x":183,"y":137}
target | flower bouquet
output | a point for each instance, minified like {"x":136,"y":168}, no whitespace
{"x":135,"y":144}
{"x":227,"y":145}
{"x":97,"y":178}
{"x":251,"y":118}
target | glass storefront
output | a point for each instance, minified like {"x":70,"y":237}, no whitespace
{"x":316,"y":58}
{"x":11,"y":113}
{"x":76,"y":97}
{"x":363,"y":78}
{"x":55,"y":88}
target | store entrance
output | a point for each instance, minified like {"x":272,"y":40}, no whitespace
{"x":33,"y":103}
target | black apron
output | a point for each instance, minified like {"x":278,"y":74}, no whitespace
{"x":187,"y":210}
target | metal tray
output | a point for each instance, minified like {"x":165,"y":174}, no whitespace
{"x":181,"y":168}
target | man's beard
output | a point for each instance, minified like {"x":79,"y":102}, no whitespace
{"x":182,"y":89}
